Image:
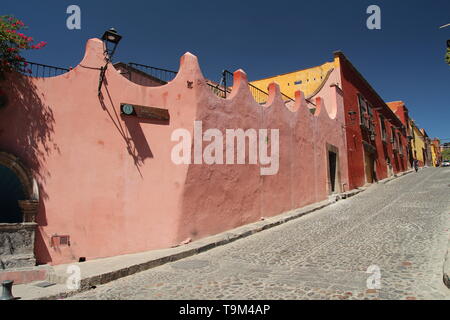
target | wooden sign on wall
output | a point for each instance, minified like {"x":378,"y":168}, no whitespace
{"x":144,"y":112}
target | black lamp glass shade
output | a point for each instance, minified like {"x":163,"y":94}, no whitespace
{"x":112,"y":36}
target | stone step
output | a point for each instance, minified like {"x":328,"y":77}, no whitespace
{"x":25,"y":275}
{"x":17,"y":261}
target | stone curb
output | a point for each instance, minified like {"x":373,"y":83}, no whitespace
{"x":395,"y":176}
{"x":199,"y":246}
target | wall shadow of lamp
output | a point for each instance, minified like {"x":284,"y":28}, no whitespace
{"x":110,"y":39}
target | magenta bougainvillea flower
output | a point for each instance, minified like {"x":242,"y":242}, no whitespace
{"x":12,"y":42}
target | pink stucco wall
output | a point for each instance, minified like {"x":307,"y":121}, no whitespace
{"x":108,"y":181}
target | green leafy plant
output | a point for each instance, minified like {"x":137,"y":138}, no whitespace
{"x":12,"y":43}
{"x":446,"y":154}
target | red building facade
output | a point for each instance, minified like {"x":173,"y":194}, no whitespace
{"x":376,"y":137}
{"x":401,"y":111}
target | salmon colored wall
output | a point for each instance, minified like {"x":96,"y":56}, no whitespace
{"x":105,"y":180}
{"x":108,"y":181}
{"x":236,"y":195}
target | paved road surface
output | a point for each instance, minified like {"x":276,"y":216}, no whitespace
{"x":401,"y":227}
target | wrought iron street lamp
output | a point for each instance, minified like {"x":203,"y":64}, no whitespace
{"x":110,"y":37}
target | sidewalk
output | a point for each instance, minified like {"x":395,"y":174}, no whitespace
{"x":101,"y":271}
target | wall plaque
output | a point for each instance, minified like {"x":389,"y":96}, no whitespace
{"x":144,"y":112}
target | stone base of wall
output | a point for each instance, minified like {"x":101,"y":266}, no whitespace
{"x":17,"y":245}
{"x":25,"y":275}
{"x":17,"y":261}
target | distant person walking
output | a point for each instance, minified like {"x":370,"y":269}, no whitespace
{"x":416,"y":164}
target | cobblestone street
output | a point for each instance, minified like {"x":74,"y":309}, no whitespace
{"x":401,"y":227}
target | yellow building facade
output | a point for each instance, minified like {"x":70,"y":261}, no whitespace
{"x":434,"y":155}
{"x":418,"y":147}
{"x":436,"y":151}
{"x":308,"y":80}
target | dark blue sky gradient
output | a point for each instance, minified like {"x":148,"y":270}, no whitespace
{"x":403,"y":61}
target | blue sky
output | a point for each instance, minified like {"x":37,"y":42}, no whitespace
{"x":403,"y":61}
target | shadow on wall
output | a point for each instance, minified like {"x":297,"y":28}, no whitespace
{"x":133,"y":136}
{"x":26,"y":131}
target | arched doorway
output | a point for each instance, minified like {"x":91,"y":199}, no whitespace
{"x":11,"y":192}
{"x":19,"y":201}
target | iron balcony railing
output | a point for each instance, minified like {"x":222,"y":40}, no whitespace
{"x":221,"y":89}
{"x":159,"y":73}
{"x":166,"y":75}
{"x":259,"y":95}
{"x":34,"y":69}
{"x":218,"y":90}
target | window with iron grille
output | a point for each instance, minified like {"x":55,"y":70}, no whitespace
{"x":370,"y":119}
{"x":383,"y":128}
{"x":400,"y":147}
{"x":362,"y":110}
{"x":394,"y":139}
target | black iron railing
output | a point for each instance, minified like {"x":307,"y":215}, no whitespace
{"x":286,"y":98}
{"x":165,"y":75}
{"x":218,"y":90}
{"x":227,"y":79}
{"x":159,"y":73}
{"x":221,"y":89}
{"x":259,"y":95}
{"x":34,"y":69}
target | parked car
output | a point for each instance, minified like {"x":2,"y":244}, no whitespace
{"x":446,"y":163}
